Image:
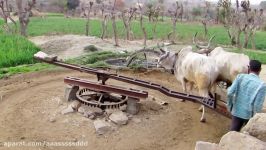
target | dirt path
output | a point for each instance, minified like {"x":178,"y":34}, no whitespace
{"x":71,"y":46}
{"x":30,"y":100}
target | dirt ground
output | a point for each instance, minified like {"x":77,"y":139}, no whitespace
{"x":28,"y":101}
{"x":71,"y":46}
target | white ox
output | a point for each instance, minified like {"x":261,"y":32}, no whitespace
{"x":190,"y":69}
{"x":229,"y":64}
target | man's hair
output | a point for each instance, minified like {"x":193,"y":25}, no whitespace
{"x":255,"y":65}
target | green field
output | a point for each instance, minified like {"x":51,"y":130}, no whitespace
{"x":185,"y":31}
{"x":16,"y":50}
{"x":6,"y":72}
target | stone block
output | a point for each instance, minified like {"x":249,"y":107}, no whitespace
{"x":119,"y":118}
{"x":70,"y":93}
{"x":200,"y":145}
{"x":240,"y":141}
{"x":257,"y":126}
{"x":101,"y":126}
{"x":133,"y":106}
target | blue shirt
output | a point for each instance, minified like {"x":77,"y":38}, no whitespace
{"x":246,"y":96}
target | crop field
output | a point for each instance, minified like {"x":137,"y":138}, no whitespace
{"x":16,"y":50}
{"x":185,"y":31}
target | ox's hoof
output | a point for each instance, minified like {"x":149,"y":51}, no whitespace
{"x":203,"y":120}
{"x":182,"y":100}
{"x":200,"y":109}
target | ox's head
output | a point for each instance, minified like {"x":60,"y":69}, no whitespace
{"x":166,"y":59}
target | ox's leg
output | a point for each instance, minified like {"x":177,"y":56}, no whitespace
{"x":189,"y":87}
{"x":184,"y":86}
{"x":203,"y":93}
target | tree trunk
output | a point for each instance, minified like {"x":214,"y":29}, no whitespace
{"x":104,"y":27}
{"x":88,"y":23}
{"x":154,"y":28}
{"x":204,"y":22}
{"x":143,"y":30}
{"x":252,"y":35}
{"x":231,"y":37}
{"x":126,"y":24}
{"x":174,"y":30}
{"x":115,"y":31}
{"x":23,"y":30}
{"x":246,"y":39}
{"x":24,"y":15}
{"x":238,"y":43}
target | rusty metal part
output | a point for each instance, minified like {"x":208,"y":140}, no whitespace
{"x":102,"y":100}
{"x":104,"y":76}
{"x":106,"y":88}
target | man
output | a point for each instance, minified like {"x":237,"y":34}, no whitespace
{"x":246,"y":96}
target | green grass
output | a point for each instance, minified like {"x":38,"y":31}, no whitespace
{"x":185,"y":31}
{"x":55,"y":15}
{"x":258,"y":55}
{"x":16,"y":50}
{"x":6,"y":72}
{"x":94,"y":60}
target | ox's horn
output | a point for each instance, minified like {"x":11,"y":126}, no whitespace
{"x":164,"y":56}
{"x":163,"y":51}
{"x":204,"y":51}
{"x":201,"y":46}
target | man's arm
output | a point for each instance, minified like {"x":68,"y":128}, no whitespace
{"x":231,"y":90}
{"x":230,"y":93}
{"x":259,"y":99}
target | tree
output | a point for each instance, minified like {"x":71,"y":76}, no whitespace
{"x":99,"y":1}
{"x":72,"y":5}
{"x":127,"y":16}
{"x":5,"y":11}
{"x":174,"y":16}
{"x":88,"y":18}
{"x":162,"y":8}
{"x":120,"y":4}
{"x":24,"y":15}
{"x":114,"y":24}
{"x":263,"y":5}
{"x":206,"y":17}
{"x":104,"y":26}
{"x":61,"y":4}
{"x":141,"y":24}
{"x":241,"y":19}
{"x":150,"y":11}
{"x":196,"y":12}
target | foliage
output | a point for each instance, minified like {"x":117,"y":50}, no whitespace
{"x":263,"y":5}
{"x":16,"y":50}
{"x":196,"y":11}
{"x":90,"y":48}
{"x":60,"y":3}
{"x":258,"y":55}
{"x":6,"y":72}
{"x":72,"y":4}
{"x":97,"y":58}
{"x":98,"y":1}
